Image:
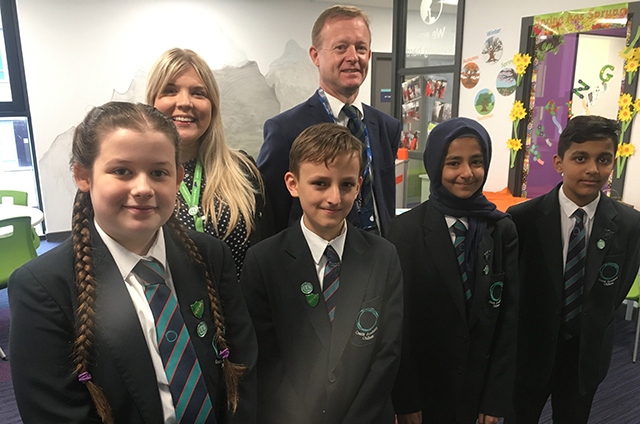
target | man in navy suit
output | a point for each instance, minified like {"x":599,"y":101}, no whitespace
{"x":341,"y":42}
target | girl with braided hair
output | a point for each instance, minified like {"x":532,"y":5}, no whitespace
{"x":133,"y":319}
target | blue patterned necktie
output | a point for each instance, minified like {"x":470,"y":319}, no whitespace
{"x":188,"y":389}
{"x":460,"y":231}
{"x":331,"y":281}
{"x":574,"y":276}
{"x":366,"y":209}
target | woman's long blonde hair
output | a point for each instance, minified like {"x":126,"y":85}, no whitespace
{"x":224,"y":168}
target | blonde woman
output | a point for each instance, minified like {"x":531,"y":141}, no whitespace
{"x":222,"y":193}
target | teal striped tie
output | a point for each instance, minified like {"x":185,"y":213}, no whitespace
{"x":574,"y":276}
{"x":331,"y":281}
{"x":188,"y":389}
{"x":460,"y":232}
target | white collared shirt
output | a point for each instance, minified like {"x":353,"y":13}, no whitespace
{"x":338,"y":114}
{"x":452,"y":220}
{"x":567,"y":222}
{"x":125,"y":261}
{"x":317,"y":246}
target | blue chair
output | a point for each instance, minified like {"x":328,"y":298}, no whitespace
{"x":16,"y":248}
{"x":21,"y":198}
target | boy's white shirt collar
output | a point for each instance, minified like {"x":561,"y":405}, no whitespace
{"x":452,"y":220}
{"x":126,"y":259}
{"x":568,"y":207}
{"x":337,"y":105}
{"x":317,"y":244}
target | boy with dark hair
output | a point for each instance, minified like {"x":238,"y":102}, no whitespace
{"x":578,"y":257}
{"x":325,"y":297}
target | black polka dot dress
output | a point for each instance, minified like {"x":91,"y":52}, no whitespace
{"x":237,"y":239}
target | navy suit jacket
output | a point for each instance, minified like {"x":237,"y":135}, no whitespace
{"x":43,"y":301}
{"x":312,"y":370}
{"x":279,"y":134}
{"x":609,"y":274}
{"x":454,"y":367}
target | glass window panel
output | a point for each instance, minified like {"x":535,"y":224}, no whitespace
{"x":5,"y":87}
{"x":426,"y":101}
{"x":431,"y":33}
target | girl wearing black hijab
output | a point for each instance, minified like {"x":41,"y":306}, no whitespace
{"x":459,"y":263}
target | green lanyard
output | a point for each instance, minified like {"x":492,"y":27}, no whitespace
{"x":192,"y":197}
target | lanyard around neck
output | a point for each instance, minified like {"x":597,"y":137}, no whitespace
{"x":192,"y":197}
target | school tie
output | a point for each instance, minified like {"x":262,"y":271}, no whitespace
{"x":331,"y":281}
{"x":188,"y":389}
{"x":574,"y":276}
{"x":460,"y":231}
{"x":356,"y":126}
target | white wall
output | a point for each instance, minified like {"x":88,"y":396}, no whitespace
{"x":483,"y":16}
{"x":77,"y":52}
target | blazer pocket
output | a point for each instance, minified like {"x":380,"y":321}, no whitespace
{"x":493,"y":298}
{"x":365,"y":328}
{"x":610,"y":270}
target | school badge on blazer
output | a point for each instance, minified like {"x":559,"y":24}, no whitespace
{"x":495,"y":294}
{"x":367,"y":324}
{"x":608,"y":273}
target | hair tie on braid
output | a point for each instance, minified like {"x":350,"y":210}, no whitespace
{"x":224,"y":353}
{"x":84,"y":377}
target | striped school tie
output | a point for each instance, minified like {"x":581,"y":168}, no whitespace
{"x":331,"y":281}
{"x":574,"y":276}
{"x":188,"y":389}
{"x":356,"y":126}
{"x":460,"y":231}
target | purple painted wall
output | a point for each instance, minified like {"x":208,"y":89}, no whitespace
{"x":555,"y":77}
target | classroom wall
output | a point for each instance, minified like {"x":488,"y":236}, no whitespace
{"x":485,"y":18}
{"x":83,"y":53}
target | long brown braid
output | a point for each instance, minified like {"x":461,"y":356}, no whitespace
{"x":232,"y":372}
{"x":86,"y":312}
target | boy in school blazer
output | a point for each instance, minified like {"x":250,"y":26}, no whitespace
{"x":554,"y":359}
{"x":312,"y":369}
{"x":458,"y":360}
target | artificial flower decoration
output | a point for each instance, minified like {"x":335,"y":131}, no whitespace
{"x":627,"y":111}
{"x":625,"y":100}
{"x":631,"y":55}
{"x":517,"y":113}
{"x":521,"y":62}
{"x":514,"y":144}
{"x":624,"y":151}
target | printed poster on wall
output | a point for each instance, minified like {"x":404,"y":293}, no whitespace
{"x":581,"y":20}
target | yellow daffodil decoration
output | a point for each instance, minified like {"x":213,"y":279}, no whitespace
{"x":521,"y":62}
{"x":631,"y":55}
{"x":628,"y":108}
{"x":514,"y":144}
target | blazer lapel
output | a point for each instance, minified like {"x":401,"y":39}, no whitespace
{"x":354,"y":279}
{"x":548,"y":228}
{"x":604,"y":229}
{"x":301,"y":265}
{"x":484,"y":257}
{"x":118,"y":324}
{"x":317,"y":111}
{"x":184,"y":274}
{"x":438,"y":240}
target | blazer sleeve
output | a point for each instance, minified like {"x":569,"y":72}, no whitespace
{"x":374,"y":395}
{"x":406,"y":389}
{"x":270,"y":364}
{"x":240,"y":337}
{"x":42,"y":334}
{"x":273,"y":162}
{"x":500,"y":377}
